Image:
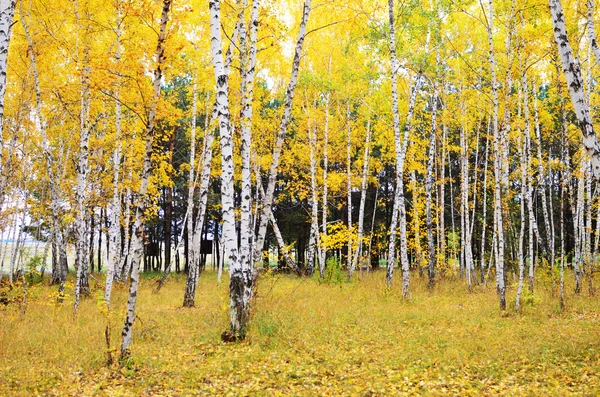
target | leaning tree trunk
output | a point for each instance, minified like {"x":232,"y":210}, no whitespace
{"x":572,"y":73}
{"x":281,"y":135}
{"x":138,"y":228}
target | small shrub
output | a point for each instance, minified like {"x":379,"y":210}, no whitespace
{"x":334,"y":273}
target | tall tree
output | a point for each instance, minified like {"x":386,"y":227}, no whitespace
{"x":137,"y":243}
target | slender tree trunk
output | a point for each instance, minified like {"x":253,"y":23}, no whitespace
{"x":542,"y":182}
{"x":7,"y":12}
{"x":521,"y":253}
{"x":323,"y":250}
{"x":195,"y":243}
{"x":194,"y":264}
{"x":137,"y":239}
{"x":592,"y":31}
{"x":429,"y":190}
{"x":114,"y":253}
{"x":313,"y":242}
{"x":247,"y":73}
{"x":358,"y":253}
{"x":529,"y":183}
{"x":281,"y":135}
{"x":442,"y":196}
{"x":401,"y":144}
{"x":349,"y":187}
{"x":59,"y":272}
{"x":465,"y":233}
{"x":125,"y":265}
{"x":579,"y":229}
{"x":241,"y":277}
{"x":484,"y":207}
{"x":498,"y":218}
{"x":192,"y":179}
{"x":562,"y":221}
{"x":82,"y":284}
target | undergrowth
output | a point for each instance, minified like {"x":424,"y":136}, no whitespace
{"x":306,"y":338}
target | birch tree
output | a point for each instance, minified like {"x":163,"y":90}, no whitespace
{"x":363,"y":196}
{"x":572,"y":72}
{"x":115,"y":213}
{"x":498,"y":174}
{"x":281,"y":135}
{"x":401,"y":143}
{"x":138,"y":227}
{"x":7,"y":12}
{"x":82,"y":284}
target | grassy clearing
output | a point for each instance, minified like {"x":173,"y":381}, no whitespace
{"x":306,"y":338}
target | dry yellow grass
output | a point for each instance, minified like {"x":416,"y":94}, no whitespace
{"x":306,"y":338}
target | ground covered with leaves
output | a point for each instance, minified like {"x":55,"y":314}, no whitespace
{"x":306,"y":338}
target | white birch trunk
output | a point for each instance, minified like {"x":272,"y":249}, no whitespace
{"x":194,"y":262}
{"x":542,"y":181}
{"x":522,"y":200}
{"x":587,"y":241}
{"x":592,"y":31}
{"x":429,"y":188}
{"x":349,"y":187}
{"x":138,"y":228}
{"x":313,"y":244}
{"x":191,"y":259}
{"x":247,"y":73}
{"x":323,"y":249}
{"x":498,"y":174}
{"x":399,"y":210}
{"x":484,"y":209}
{"x":7,"y":12}
{"x":572,"y":73}
{"x":82,"y":258}
{"x":241,"y":277}
{"x":125,"y":264}
{"x":529,"y":184}
{"x":466,"y":231}
{"x":363,"y":197}
{"x":114,"y":254}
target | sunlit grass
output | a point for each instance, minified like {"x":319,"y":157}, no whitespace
{"x":306,"y":338}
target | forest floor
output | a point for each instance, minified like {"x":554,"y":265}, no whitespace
{"x":306,"y":338}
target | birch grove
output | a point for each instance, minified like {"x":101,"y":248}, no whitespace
{"x":433,"y":145}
